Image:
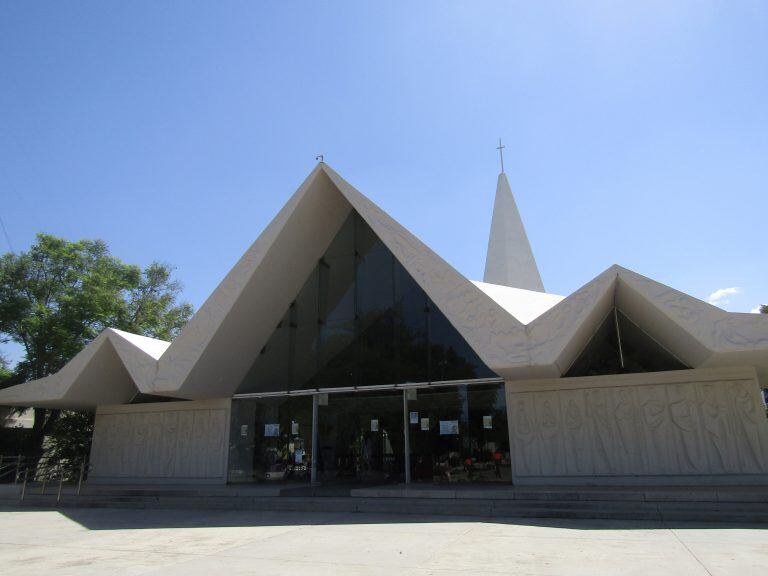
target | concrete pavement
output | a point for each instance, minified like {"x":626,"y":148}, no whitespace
{"x":187,"y":542}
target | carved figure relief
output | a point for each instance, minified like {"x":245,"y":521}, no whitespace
{"x":525,"y":436}
{"x":549,"y":427}
{"x":601,"y":430}
{"x":173,"y":444}
{"x":168,"y":452}
{"x":625,"y":414}
{"x":576,"y":436}
{"x":685,"y":426}
{"x":710,"y":427}
{"x":655,"y":421}
{"x":715,"y":422}
{"x":746,"y":428}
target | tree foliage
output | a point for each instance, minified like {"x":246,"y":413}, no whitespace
{"x":5,"y":375}
{"x":58,"y":296}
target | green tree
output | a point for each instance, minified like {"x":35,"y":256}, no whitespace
{"x":58,"y":296}
{"x":764,"y":309}
{"x":5,"y":376}
{"x":5,"y":372}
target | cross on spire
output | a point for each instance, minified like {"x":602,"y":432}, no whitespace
{"x":500,"y":148}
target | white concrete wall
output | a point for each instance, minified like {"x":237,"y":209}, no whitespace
{"x":167,"y":442}
{"x":684,"y":427}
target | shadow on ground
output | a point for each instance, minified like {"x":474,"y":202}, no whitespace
{"x":138,"y":519}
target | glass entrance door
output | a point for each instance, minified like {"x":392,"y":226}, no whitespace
{"x":459,"y":434}
{"x":271,"y":440}
{"x":361,"y":438}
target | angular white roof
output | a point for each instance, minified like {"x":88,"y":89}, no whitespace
{"x":518,"y":333}
{"x":524,"y":305}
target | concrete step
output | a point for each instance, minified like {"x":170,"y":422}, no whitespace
{"x":605,"y":509}
{"x":723,"y":494}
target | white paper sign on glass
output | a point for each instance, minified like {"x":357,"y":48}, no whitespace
{"x":295,"y":428}
{"x":271,"y":430}
{"x":374,"y":425}
{"x":414,"y":418}
{"x":449,"y":427}
{"x":244,"y":431}
{"x":425,"y":423}
{"x":298,"y":456}
{"x":487,"y":422}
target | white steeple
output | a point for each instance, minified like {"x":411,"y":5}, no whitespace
{"x":509,"y":261}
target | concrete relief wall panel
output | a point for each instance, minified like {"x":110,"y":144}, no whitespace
{"x":748,"y":425}
{"x":550,"y":426}
{"x":578,"y":455}
{"x":523,"y":431}
{"x":165,"y":442}
{"x":707,"y":425}
{"x":655,"y":426}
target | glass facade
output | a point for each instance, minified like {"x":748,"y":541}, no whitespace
{"x":271,"y":439}
{"x":360,"y":320}
{"x":361,"y":438}
{"x":459,"y":434}
{"x":456,"y":434}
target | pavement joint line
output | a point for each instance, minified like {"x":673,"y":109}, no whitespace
{"x":691,"y":552}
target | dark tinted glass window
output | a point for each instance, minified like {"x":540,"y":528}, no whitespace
{"x":639,"y":352}
{"x":361,"y":319}
{"x":271,"y":439}
{"x":601,"y":354}
{"x":451,"y":358}
{"x":360,"y":438}
{"x":271,"y":372}
{"x":459,"y":434}
{"x":411,"y":343}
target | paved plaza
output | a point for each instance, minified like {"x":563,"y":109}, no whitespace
{"x":191,"y":542}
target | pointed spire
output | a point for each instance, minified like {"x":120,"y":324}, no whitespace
{"x":510,"y":261}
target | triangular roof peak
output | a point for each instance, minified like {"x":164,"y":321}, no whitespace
{"x":214,"y":349}
{"x":510,"y":260}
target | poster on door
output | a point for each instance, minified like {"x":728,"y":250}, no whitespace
{"x":271,"y":430}
{"x":449,"y":427}
{"x":374,"y":425}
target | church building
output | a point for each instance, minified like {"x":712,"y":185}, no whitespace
{"x":341,"y":349}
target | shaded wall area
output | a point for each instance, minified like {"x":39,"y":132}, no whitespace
{"x":168,"y":442}
{"x":704,"y":426}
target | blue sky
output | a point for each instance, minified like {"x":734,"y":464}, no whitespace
{"x":635,"y":133}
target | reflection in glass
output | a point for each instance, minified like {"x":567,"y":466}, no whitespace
{"x":361,"y":438}
{"x":619,"y":346}
{"x":459,"y":434}
{"x":361,"y":320}
{"x":271,"y":439}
